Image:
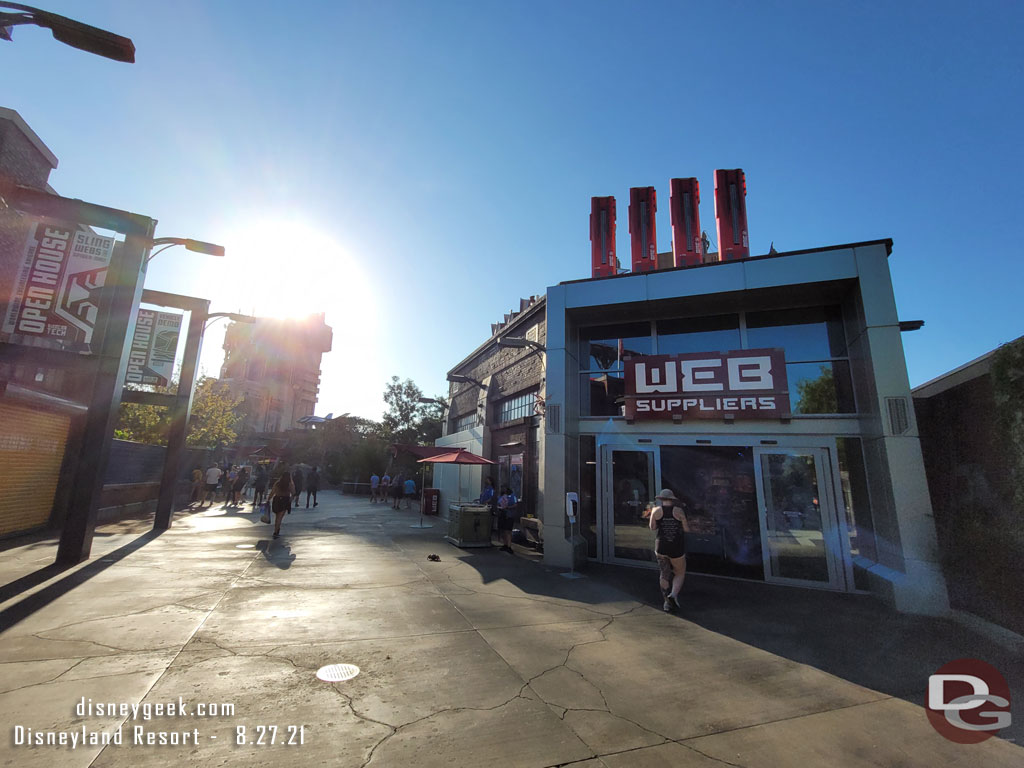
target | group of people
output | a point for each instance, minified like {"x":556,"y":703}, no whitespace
{"x":504,"y":507}
{"x":384,"y":487}
{"x":230,"y":479}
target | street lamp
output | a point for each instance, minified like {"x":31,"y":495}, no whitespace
{"x":68,"y":31}
{"x":458,"y":378}
{"x":196,"y":246}
{"x":230,"y":315}
{"x":520,"y":342}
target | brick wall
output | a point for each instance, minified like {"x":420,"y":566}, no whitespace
{"x":511,"y":369}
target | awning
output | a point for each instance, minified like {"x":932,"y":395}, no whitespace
{"x":420,"y":451}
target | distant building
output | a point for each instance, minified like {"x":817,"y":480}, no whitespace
{"x":274,"y":366}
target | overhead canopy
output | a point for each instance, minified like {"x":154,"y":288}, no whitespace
{"x":458,"y":456}
{"x":419,"y":451}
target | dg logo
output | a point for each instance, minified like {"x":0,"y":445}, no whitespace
{"x":968,"y":701}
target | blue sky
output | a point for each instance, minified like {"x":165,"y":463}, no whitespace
{"x":435,"y":161}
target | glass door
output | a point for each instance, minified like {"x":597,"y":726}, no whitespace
{"x":799,"y":528}
{"x":630,"y":487}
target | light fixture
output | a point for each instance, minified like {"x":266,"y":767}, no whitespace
{"x":520,"y":342}
{"x":458,"y":378}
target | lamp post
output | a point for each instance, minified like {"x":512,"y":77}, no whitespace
{"x":68,"y":31}
{"x":196,"y":246}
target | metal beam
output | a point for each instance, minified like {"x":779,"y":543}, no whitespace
{"x":182,"y":407}
{"x":122,"y":291}
{"x":139,"y":397}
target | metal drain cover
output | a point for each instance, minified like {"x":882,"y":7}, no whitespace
{"x":336,"y":673}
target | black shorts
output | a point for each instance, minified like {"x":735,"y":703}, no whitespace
{"x":280,"y":504}
{"x":211,"y":487}
{"x":506,"y":522}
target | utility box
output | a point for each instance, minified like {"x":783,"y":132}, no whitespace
{"x":431,"y":502}
{"x":469,"y":525}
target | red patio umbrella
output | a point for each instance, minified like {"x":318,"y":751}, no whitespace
{"x":458,"y":456}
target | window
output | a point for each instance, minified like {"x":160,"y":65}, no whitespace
{"x":516,"y":407}
{"x":603,"y":347}
{"x":602,"y":350}
{"x":465,"y":422}
{"x":720,"y":333}
{"x":817,"y":362}
{"x":857,"y":500}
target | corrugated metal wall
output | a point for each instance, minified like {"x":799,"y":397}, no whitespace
{"x":31,"y":452}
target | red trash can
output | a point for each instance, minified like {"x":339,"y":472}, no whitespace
{"x":431,"y":501}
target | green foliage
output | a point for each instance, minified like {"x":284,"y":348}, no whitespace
{"x":407,"y":420}
{"x":142,"y":424}
{"x":817,"y":395}
{"x":212,"y":422}
{"x":1007,"y":376}
{"x":213,"y":417}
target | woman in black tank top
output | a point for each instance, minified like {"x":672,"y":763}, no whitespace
{"x":669,"y":546}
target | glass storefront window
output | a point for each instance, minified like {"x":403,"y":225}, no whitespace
{"x":857,"y":502}
{"x":603,"y":347}
{"x":588,"y":492}
{"x":716,"y":485}
{"x":720,"y":333}
{"x":812,"y":333}
{"x":601,"y":394}
{"x":820,"y":387}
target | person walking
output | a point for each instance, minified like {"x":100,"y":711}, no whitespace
{"x":297,"y":481}
{"x":669,"y":521}
{"x":237,"y":487}
{"x":374,"y":487}
{"x":212,"y":478}
{"x":196,"y":497}
{"x":312,"y":485}
{"x":385,"y":486}
{"x":397,"y":485}
{"x":259,"y":485}
{"x":281,"y":496}
{"x":506,"y":517}
{"x":410,"y":492}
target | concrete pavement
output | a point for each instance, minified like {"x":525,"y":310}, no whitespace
{"x":482,"y":658}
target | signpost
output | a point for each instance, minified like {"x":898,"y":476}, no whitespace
{"x":154,"y":345}
{"x":56,"y":298}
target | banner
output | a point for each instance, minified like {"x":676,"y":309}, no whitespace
{"x":749,"y":384}
{"x":151,"y":357}
{"x":55,"y":301}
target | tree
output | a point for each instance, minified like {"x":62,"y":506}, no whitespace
{"x":402,"y":416}
{"x":212,"y":421}
{"x":213,"y":418}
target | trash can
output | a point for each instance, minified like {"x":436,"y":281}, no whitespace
{"x":431,"y":501}
{"x":469,"y":525}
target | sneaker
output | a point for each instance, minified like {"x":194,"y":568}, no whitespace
{"x":674,"y":601}
{"x":277,"y":535}
{"x":667,"y":606}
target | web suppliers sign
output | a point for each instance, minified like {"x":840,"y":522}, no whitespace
{"x":55,"y":301}
{"x":749,"y":384}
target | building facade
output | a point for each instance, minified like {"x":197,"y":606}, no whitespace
{"x":273,"y":365}
{"x":770,"y":394}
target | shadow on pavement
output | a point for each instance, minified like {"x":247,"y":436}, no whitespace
{"x":852,"y":636}
{"x":21,"y":610}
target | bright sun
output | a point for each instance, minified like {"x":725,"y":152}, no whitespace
{"x":289,"y":268}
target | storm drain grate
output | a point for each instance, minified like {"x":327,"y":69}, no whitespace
{"x":336,"y":673}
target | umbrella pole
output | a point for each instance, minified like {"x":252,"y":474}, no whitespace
{"x":423,"y":482}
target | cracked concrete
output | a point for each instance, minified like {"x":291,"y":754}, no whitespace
{"x":479,"y":659}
